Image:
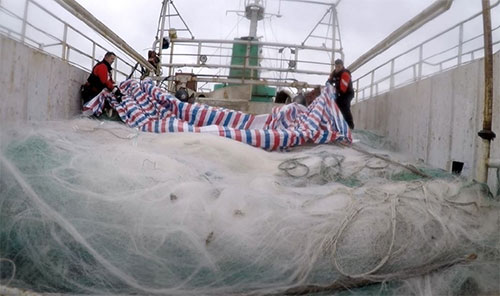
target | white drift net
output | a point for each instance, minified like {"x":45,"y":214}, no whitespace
{"x":97,"y":208}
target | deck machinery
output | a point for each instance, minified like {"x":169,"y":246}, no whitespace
{"x":206,"y":66}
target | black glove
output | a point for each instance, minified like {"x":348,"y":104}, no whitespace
{"x":118,"y":94}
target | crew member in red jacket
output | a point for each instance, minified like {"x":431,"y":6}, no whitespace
{"x":341,"y":78}
{"x":100,"y":78}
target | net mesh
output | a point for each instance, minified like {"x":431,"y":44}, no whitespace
{"x":97,"y":208}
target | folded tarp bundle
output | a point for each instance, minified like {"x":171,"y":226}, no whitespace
{"x":152,"y":109}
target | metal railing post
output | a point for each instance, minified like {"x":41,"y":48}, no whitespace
{"x":199,"y":53}
{"x":64,"y":45}
{"x":420,"y":61}
{"x":296,"y":57}
{"x":25,"y":17}
{"x":115,"y":67}
{"x":391,"y":84}
{"x":171,"y":69}
{"x":371,"y":83}
{"x":357,"y":90}
{"x":93,"y":54}
{"x":460,"y":43}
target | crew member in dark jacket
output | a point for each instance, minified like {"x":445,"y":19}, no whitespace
{"x":100,"y":78}
{"x":341,"y":78}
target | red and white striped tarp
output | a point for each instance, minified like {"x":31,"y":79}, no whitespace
{"x":152,"y":109}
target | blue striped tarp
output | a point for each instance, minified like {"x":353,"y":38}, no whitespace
{"x":152,"y":109}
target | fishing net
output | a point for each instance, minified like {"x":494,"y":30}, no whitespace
{"x":89,"y":207}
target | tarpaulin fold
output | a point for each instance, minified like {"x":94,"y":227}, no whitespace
{"x":152,"y":109}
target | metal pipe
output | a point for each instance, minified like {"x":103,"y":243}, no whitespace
{"x":488,"y":66}
{"x":314,"y":2}
{"x":316,"y":26}
{"x":425,"y":16}
{"x":460,"y":43}
{"x":64,"y":41}
{"x":249,"y":42}
{"x":253,"y":15}
{"x":182,"y":20}
{"x":25,"y":18}
{"x":486,"y":133}
{"x":82,"y":14}
{"x":334,"y":37}
{"x":295,"y":84}
{"x":218,"y":66}
{"x":162,"y":28}
{"x":494,"y":163}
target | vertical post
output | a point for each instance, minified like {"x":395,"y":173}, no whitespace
{"x":297,"y":57}
{"x":391,"y":85}
{"x":162,"y":26}
{"x":114,"y":68}
{"x":334,"y":23}
{"x":460,"y":43}
{"x":420,"y":61}
{"x":165,"y":6}
{"x":171,"y":68}
{"x":25,"y":17}
{"x":246,"y":63}
{"x":486,"y":133}
{"x":371,"y":83}
{"x":64,"y":46}
{"x":254,"y":11}
{"x":93,"y":54}
{"x":67,"y":53}
{"x":199,"y":53}
{"x":357,"y":90}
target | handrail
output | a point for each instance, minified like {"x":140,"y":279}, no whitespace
{"x":426,"y":41}
{"x":63,"y":42}
{"x":422,"y":18}
{"x":421,"y":61}
{"x":252,"y":42}
{"x":91,"y":21}
{"x":281,"y":59}
{"x":376,"y":82}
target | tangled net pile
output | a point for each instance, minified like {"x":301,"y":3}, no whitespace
{"x":97,"y":208}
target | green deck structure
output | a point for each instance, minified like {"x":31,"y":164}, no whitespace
{"x":260,"y":93}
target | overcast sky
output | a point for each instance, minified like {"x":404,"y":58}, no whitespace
{"x":363,"y":23}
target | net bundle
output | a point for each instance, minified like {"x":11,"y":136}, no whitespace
{"x":97,"y":208}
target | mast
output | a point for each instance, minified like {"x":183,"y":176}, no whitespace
{"x":254,"y":11}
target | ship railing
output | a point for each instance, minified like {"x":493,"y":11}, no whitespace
{"x":26,"y":21}
{"x":421,"y":61}
{"x":277,"y":64}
